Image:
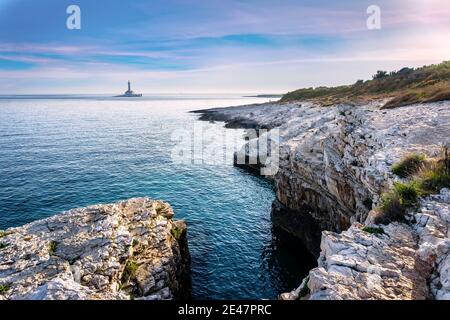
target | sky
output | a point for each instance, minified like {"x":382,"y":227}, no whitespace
{"x":199,"y":46}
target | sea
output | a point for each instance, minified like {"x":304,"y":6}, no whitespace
{"x":61,"y":152}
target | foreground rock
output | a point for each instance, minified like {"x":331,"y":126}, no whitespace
{"x":131,"y":249}
{"x":403,"y":261}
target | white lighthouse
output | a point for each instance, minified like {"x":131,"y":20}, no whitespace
{"x":129,"y":93}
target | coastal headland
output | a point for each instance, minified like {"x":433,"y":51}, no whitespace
{"x":127,"y":250}
{"x":336,"y":172}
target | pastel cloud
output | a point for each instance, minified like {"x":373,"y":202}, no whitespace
{"x":262,"y":45}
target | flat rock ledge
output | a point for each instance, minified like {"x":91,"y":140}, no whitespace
{"x":406,"y":261}
{"x":127,"y":250}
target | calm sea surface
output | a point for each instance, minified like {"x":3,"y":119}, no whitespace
{"x":58,"y":153}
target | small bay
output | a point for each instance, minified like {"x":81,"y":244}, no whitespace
{"x":62,"y":152}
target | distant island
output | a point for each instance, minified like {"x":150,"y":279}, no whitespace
{"x":129,"y":93}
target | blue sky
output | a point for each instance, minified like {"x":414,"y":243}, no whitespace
{"x":212,"y":46}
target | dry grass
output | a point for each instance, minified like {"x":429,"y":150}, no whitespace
{"x":419,"y":96}
{"x":409,"y":165}
{"x":406,"y":86}
{"x":394,"y":204}
{"x":433,"y":177}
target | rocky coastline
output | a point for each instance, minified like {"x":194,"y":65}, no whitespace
{"x":335,"y":162}
{"x":334,"y":165}
{"x":127,"y":250}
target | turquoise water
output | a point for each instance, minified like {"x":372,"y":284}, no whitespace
{"x":60,"y":153}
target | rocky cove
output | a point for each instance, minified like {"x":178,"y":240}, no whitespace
{"x":226,"y":209}
{"x":335,"y":162}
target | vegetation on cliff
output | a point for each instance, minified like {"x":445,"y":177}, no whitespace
{"x":3,"y":233}
{"x":424,"y":177}
{"x":117,"y":251}
{"x":4,"y":288}
{"x":405,"y":86}
{"x":373,"y":230}
{"x":53,"y":245}
{"x":409,"y":165}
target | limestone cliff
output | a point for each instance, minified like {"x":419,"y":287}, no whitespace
{"x":130,"y":249}
{"x":334,"y":161}
{"x":334,"y":164}
{"x":402,"y":262}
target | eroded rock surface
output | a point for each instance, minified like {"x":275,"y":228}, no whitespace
{"x":406,"y":261}
{"x":335,"y":161}
{"x":334,"y":165}
{"x":433,"y":230}
{"x":130,"y":249}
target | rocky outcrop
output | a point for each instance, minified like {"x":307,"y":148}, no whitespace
{"x":334,"y":165}
{"x":127,"y":250}
{"x":398,"y":261}
{"x":433,"y":230}
{"x":335,"y":161}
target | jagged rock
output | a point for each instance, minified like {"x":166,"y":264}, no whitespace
{"x":335,"y":161}
{"x":334,"y":165}
{"x":433,"y":229}
{"x":403,"y":262}
{"x":114,"y":251}
{"x":358,"y":265}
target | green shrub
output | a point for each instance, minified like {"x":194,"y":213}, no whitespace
{"x":408,"y":193}
{"x":391,"y":209}
{"x":176,"y":232}
{"x":434,"y":178}
{"x":52,"y":247}
{"x":380,"y":74}
{"x":431,"y":176}
{"x":3,"y":245}
{"x":4,"y":288}
{"x":396,"y":202}
{"x":409,"y":165}
{"x":406,"y":86}
{"x":129,"y":273}
{"x":373,"y":230}
{"x":304,"y":291}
